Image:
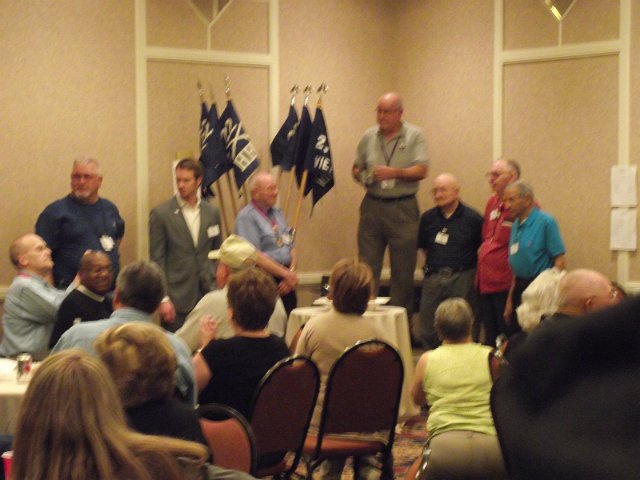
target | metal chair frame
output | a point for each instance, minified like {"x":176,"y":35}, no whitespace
{"x":372,"y":354}
{"x":292,"y":384}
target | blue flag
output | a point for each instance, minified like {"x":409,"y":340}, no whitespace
{"x":212,"y":154}
{"x":240,"y":153}
{"x":284,"y":142}
{"x":301,"y":144}
{"x":318,"y":160}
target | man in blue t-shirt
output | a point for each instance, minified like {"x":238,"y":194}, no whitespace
{"x":79,"y":222}
{"x":535,"y":244}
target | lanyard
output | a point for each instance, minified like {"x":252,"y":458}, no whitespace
{"x":280,"y":241}
{"x":272,"y":221}
{"x":387,"y":157}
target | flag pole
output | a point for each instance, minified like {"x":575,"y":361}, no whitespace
{"x":232,"y":192}
{"x":307,"y":93}
{"x":294,"y":91}
{"x":225,"y":222}
{"x":217,"y":186}
{"x":322,"y":89}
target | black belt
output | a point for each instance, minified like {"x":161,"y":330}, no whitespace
{"x":390,"y":199}
{"x":445,"y":271}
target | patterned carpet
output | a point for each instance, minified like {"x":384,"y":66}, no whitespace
{"x":410,"y":437}
{"x":408,"y":444}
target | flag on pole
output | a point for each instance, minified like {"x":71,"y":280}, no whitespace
{"x":318,"y":160}
{"x":284,"y":142}
{"x":301,"y":144}
{"x":212,"y":153}
{"x":240,"y":151}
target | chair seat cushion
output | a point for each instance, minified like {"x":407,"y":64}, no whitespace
{"x":340,"y":447}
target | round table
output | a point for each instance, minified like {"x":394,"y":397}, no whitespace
{"x":11,"y":393}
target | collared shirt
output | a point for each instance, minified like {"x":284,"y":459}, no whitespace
{"x":191,"y":217}
{"x":494,"y":273}
{"x":407,"y":148}
{"x":83,"y":335}
{"x":30,"y":310}
{"x":259,"y":228}
{"x":534,"y":244}
{"x":81,"y":305}
{"x":92,"y":295}
{"x":450,"y":242}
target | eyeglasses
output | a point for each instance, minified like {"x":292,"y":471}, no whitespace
{"x":383,"y":111}
{"x":83,"y":176}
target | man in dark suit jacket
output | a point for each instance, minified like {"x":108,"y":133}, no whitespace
{"x":182,"y":232}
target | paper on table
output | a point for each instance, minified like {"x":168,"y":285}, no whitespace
{"x":623,"y":229}
{"x":377,"y":301}
{"x":623,"y":186}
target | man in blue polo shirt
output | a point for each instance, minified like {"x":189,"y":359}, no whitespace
{"x":535,"y":244}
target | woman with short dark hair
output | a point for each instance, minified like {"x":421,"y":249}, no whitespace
{"x":229,"y":370}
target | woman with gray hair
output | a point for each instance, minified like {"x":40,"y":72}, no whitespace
{"x":455,"y":381}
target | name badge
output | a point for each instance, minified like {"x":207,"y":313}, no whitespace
{"x":387,"y":184}
{"x":213,"y":231}
{"x":442,"y":238}
{"x":494,"y":214}
{"x":287,"y":237}
{"x":513,"y":249}
{"x":107,"y":243}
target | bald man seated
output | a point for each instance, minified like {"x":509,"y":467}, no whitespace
{"x":31,"y":305}
{"x":582,"y":291}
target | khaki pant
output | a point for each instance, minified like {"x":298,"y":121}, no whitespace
{"x":465,"y":455}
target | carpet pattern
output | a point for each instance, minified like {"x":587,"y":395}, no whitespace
{"x":410,"y":438}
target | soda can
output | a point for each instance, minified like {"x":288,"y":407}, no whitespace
{"x":24,"y":364}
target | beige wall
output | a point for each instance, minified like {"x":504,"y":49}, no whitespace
{"x":68,"y":88}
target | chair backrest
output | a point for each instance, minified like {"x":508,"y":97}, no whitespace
{"x":229,"y":437}
{"x":363,"y":391}
{"x":283,"y":405}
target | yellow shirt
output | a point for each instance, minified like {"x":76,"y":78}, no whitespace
{"x":457,"y":384}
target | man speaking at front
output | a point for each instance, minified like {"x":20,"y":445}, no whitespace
{"x":390,"y":161}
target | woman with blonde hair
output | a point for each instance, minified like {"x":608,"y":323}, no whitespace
{"x":71,"y":426}
{"x":143,"y":365}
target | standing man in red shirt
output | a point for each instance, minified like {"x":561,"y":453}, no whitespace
{"x":493,"y":274}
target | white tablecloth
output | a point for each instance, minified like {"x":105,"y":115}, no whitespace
{"x":11,"y":393}
{"x":393,"y":322}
